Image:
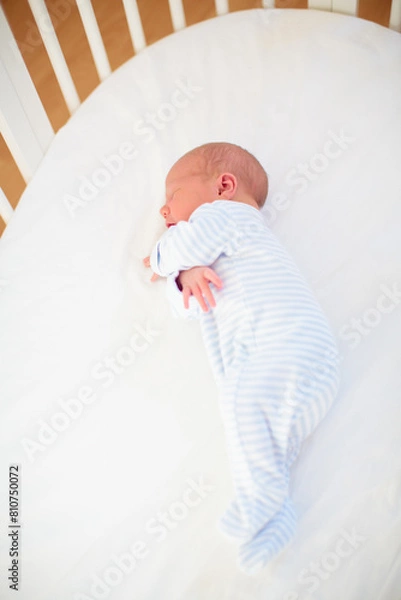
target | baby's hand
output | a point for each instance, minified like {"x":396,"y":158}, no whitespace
{"x":146,"y":262}
{"x":195,"y":282}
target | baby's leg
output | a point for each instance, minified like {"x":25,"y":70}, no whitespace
{"x":316,"y":394}
{"x":257,"y":434}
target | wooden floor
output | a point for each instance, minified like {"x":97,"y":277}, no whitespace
{"x":113,"y":26}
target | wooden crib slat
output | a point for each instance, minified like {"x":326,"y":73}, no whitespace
{"x":94,"y":38}
{"x":177,"y":14}
{"x":347,"y":7}
{"x":56,"y":56}
{"x":222,"y":7}
{"x":6,"y":210}
{"x":134,"y":25}
{"x":320,"y":4}
{"x":23,"y":121}
{"x":395,"y":15}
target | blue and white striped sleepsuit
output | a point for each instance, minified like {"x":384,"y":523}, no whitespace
{"x":272,"y":353}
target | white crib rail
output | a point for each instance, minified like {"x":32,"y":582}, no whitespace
{"x":134,"y":24}
{"x":94,"y":38}
{"x":395,"y":15}
{"x":320,"y":4}
{"x":177,"y":14}
{"x":221,"y":7}
{"x":350,"y":7}
{"x":23,"y":121}
{"x":56,"y":56}
{"x":347,"y":7}
{"x":6,"y":210}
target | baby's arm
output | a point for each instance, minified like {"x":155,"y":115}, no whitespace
{"x":199,"y":241}
{"x":193,"y":282}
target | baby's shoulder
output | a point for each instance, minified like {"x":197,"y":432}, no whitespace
{"x":217,"y":209}
{"x":231,"y":215}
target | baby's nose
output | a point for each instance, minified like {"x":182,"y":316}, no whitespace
{"x":164,"y":211}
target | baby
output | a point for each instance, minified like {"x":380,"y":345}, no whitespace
{"x":270,"y":346}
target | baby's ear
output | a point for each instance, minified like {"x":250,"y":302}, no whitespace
{"x":228,"y":185}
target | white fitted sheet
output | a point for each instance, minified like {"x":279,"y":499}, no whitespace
{"x":317,"y":98}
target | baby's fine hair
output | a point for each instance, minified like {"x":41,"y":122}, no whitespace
{"x":218,"y":157}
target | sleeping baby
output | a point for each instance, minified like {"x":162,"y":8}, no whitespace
{"x":270,"y":347}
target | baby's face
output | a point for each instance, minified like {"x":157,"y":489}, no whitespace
{"x":186,"y":189}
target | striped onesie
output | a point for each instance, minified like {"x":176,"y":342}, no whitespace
{"x":273,"y":356}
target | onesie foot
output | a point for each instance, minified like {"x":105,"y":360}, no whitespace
{"x":248,"y":515}
{"x":269,"y":541}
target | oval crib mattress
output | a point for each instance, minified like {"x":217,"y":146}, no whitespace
{"x":109,"y":407}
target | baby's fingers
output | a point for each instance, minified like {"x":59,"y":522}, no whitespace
{"x":199,"y":296}
{"x":186,"y":292}
{"x":194,"y":291}
{"x":212,"y":277}
{"x":208,"y":295}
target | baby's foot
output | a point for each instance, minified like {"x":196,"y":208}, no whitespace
{"x":244,"y":524}
{"x":236,"y":527}
{"x":269,"y":541}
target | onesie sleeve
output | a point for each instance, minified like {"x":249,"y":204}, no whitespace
{"x":176,"y":301}
{"x":199,"y":241}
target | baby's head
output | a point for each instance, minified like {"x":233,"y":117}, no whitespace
{"x":215,"y":171}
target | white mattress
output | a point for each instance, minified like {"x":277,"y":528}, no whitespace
{"x":317,"y":98}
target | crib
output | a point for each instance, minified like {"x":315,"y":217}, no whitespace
{"x":122,"y":473}
{"x":26,"y":129}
